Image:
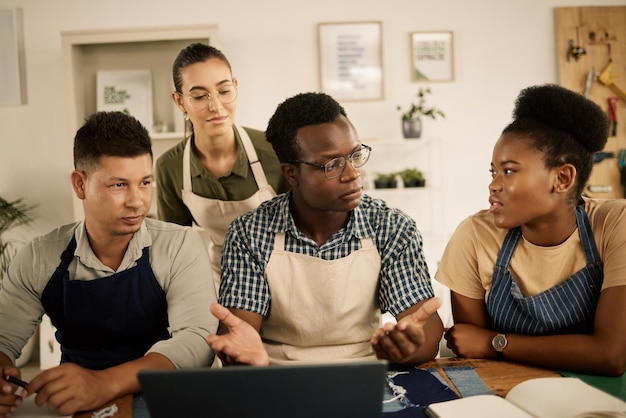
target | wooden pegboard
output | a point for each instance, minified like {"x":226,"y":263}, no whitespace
{"x":601,"y":33}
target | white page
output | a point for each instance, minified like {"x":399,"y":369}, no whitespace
{"x":479,"y":406}
{"x":28,"y":409}
{"x":562,"y":397}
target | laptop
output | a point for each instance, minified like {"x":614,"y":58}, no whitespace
{"x":321,"y":390}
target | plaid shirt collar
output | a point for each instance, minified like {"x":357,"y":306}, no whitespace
{"x":358,"y":224}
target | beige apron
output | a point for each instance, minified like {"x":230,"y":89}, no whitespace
{"x":321,"y":310}
{"x":213,"y":216}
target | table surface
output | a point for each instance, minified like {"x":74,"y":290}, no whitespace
{"x":124,"y":408}
{"x":499,"y":377}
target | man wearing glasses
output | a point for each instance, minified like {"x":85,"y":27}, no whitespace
{"x":312,"y":269}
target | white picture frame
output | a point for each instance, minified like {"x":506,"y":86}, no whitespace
{"x":128,"y":91}
{"x":432,"y":57}
{"x":12,"y":68}
{"x":350,"y":60}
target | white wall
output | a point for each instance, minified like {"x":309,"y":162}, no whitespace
{"x":501,"y":46}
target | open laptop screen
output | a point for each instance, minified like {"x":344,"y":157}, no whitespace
{"x":320,"y":390}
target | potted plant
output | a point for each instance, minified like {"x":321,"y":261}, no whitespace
{"x":385,"y":181}
{"x":412,"y":177}
{"x":411,"y":118}
{"x":13,"y":214}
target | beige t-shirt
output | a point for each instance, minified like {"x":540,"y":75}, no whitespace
{"x":470,"y":256}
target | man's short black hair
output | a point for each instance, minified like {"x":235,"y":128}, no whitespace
{"x":114,"y":134}
{"x":301,"y":110}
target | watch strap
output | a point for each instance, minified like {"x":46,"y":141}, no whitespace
{"x":499,"y":343}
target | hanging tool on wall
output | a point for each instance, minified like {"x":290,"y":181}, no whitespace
{"x":605,"y":77}
{"x":598,"y":157}
{"x":600,"y":188}
{"x":591,"y":75}
{"x":612,"y":113}
{"x":602,"y":155}
{"x":575,"y":51}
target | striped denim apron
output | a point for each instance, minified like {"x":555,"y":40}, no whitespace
{"x":567,"y":308}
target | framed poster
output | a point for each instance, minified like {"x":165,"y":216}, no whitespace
{"x":350,"y":60}
{"x":12,"y":76}
{"x":432,"y":56}
{"x":128,"y":91}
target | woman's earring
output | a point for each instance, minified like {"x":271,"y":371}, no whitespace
{"x":187,"y":123}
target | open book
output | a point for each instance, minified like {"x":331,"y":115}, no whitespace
{"x":549,"y":397}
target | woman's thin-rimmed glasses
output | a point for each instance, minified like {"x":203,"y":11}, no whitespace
{"x":201,"y":99}
{"x":335,"y":167}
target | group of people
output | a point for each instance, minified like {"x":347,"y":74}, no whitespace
{"x":300,"y":262}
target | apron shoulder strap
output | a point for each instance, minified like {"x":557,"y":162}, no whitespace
{"x":279,"y":241}
{"x":255,"y":164}
{"x":187,"y":166}
{"x":586,"y":236}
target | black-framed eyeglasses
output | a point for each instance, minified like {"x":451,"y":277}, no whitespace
{"x":226,"y":93}
{"x":335,"y":167}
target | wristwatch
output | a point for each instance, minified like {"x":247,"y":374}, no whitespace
{"x":498,"y":343}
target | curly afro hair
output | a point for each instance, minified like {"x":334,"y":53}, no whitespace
{"x":565,"y":110}
{"x":303,"y":109}
{"x":564,"y":125}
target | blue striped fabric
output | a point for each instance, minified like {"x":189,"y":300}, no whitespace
{"x":467,"y":381}
{"x":568,"y":307}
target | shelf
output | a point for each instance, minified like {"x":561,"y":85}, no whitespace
{"x":87,"y":52}
{"x":161,"y":136}
{"x":389,"y":156}
{"x":396,"y":190}
{"x":423,"y":204}
{"x":414,"y":201}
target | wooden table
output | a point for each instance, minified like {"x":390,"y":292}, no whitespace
{"x":499,"y":376}
{"x":124,"y":408}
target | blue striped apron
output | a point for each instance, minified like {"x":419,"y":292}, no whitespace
{"x":567,"y":308}
{"x":108,"y":321}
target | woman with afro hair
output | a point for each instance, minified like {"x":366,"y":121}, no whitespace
{"x":540,"y":277}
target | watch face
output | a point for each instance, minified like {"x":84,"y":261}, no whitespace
{"x":499,"y":342}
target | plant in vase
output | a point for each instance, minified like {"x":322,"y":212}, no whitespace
{"x":411,"y":118}
{"x":12,"y":214}
{"x":385,"y":181}
{"x":412,"y":177}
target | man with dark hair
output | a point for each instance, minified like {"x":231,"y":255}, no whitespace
{"x":312,"y":269}
{"x":126,"y":293}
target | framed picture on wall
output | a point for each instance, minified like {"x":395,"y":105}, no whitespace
{"x":12,"y":76}
{"x":432,"y":56}
{"x":128,"y":91}
{"x":350,"y":60}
